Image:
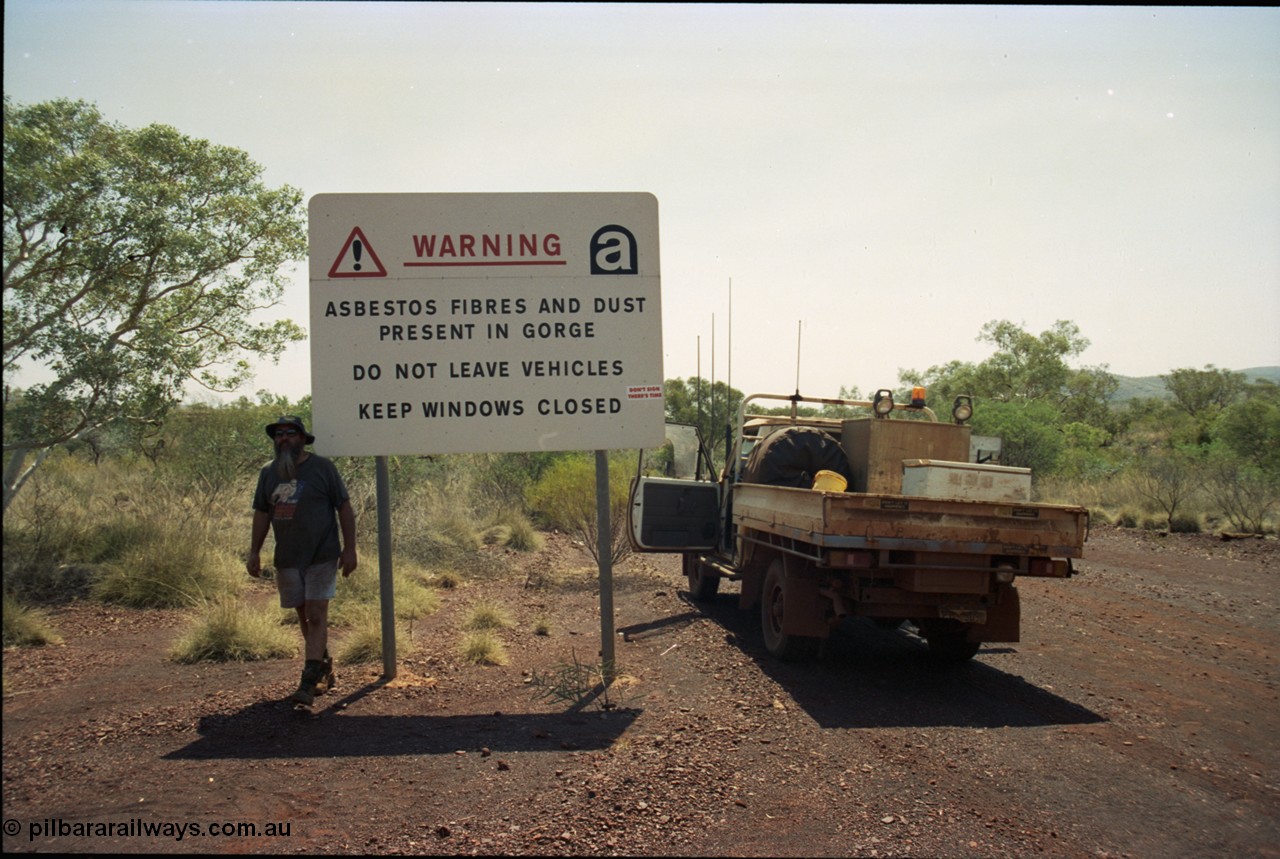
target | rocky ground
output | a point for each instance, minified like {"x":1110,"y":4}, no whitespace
{"x":1137,"y":717}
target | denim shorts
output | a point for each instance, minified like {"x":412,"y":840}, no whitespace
{"x":317,"y":582}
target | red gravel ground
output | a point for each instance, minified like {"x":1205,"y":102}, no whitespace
{"x":1138,"y":717}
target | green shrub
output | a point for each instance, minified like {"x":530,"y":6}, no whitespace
{"x":487,"y":615}
{"x":1127,"y":519}
{"x":438,"y":524}
{"x":362,"y":590}
{"x":565,"y":498}
{"x":167,"y":570}
{"x":25,"y":626}
{"x":362,"y":643}
{"x":39,"y":583}
{"x":483,"y":647}
{"x":445,"y":580}
{"x":512,"y":529}
{"x":522,"y":536}
{"x":228,"y":630}
{"x":1184,"y":524}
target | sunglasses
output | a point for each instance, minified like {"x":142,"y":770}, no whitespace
{"x":286,"y":433}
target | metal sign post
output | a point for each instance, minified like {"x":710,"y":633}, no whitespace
{"x":604,"y":551}
{"x":386,"y":588}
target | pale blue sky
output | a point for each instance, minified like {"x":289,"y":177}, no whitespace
{"x":891,"y":177}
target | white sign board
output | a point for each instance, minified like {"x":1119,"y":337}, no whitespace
{"x":455,"y":323}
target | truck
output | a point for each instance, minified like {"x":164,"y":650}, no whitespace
{"x":882,"y":513}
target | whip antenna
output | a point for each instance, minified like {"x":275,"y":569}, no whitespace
{"x":799,"y":322}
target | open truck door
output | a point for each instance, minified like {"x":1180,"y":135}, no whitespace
{"x":675,"y":501}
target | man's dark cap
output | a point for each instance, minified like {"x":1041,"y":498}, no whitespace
{"x":290,"y":421}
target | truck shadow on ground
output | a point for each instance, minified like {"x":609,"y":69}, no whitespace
{"x":873,"y":678}
{"x":272,"y":729}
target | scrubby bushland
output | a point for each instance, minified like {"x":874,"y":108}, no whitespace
{"x":565,"y":498}
{"x":159,"y":514}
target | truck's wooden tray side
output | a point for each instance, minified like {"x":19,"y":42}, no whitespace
{"x":852,"y":520}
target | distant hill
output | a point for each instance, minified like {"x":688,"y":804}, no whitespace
{"x":1152,"y":387}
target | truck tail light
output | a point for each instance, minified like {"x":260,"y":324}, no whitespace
{"x":1053,"y":568}
{"x":853,"y":559}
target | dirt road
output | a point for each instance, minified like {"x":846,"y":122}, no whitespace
{"x":1139,"y":716}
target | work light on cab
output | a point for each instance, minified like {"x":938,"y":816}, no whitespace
{"x":883,"y":402}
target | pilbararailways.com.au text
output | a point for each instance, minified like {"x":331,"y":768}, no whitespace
{"x":57,"y":827}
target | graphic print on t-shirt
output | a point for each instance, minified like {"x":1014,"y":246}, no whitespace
{"x":284,"y":500}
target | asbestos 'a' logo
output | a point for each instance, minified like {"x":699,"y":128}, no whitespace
{"x":613,"y":251}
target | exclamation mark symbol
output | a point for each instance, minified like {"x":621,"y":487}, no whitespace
{"x":357,"y":248}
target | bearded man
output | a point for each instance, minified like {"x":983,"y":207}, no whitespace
{"x":302,"y":500}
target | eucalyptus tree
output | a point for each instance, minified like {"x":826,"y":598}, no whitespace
{"x":135,"y":261}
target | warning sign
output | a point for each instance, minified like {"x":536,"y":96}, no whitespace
{"x":491,"y":323}
{"x":357,"y":258}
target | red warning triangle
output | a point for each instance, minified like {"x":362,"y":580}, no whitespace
{"x":357,"y":258}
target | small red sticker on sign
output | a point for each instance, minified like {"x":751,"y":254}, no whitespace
{"x":357,"y":258}
{"x":644,"y":392}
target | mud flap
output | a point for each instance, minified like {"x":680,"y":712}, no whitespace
{"x":1004,"y":617}
{"x":806,"y":612}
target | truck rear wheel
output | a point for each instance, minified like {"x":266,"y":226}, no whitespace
{"x":788,"y":648}
{"x":703,"y":583}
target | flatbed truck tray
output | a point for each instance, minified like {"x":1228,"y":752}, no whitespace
{"x":853,"y":520}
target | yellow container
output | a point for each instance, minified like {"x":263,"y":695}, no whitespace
{"x":829,"y":481}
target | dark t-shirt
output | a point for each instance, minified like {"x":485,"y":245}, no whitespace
{"x":303,"y":512}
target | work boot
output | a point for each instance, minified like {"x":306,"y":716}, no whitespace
{"x":327,"y":678}
{"x":306,"y":691}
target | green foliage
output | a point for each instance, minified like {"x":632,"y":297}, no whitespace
{"x":1030,"y":431}
{"x":433,"y":515}
{"x":522,"y":536}
{"x":228,"y":630}
{"x":1084,"y":453}
{"x":1204,"y":393}
{"x":361,"y":592}
{"x":1027,"y":393}
{"x":445,"y":580}
{"x":218,"y":451}
{"x":483,"y":647}
{"x":697,"y":402}
{"x":1251,"y":429}
{"x":485,"y":614}
{"x":27,"y":626}
{"x":510,"y":527}
{"x":122,"y":531}
{"x":167,"y":569}
{"x":1024,"y":367}
{"x":1247,"y":495}
{"x":577,"y":683}
{"x":135,"y":261}
{"x":504,"y":478}
{"x":565,"y":498}
{"x":1168,"y":478}
{"x":362,"y":643}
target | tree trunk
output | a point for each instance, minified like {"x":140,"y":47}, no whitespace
{"x":15,"y":476}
